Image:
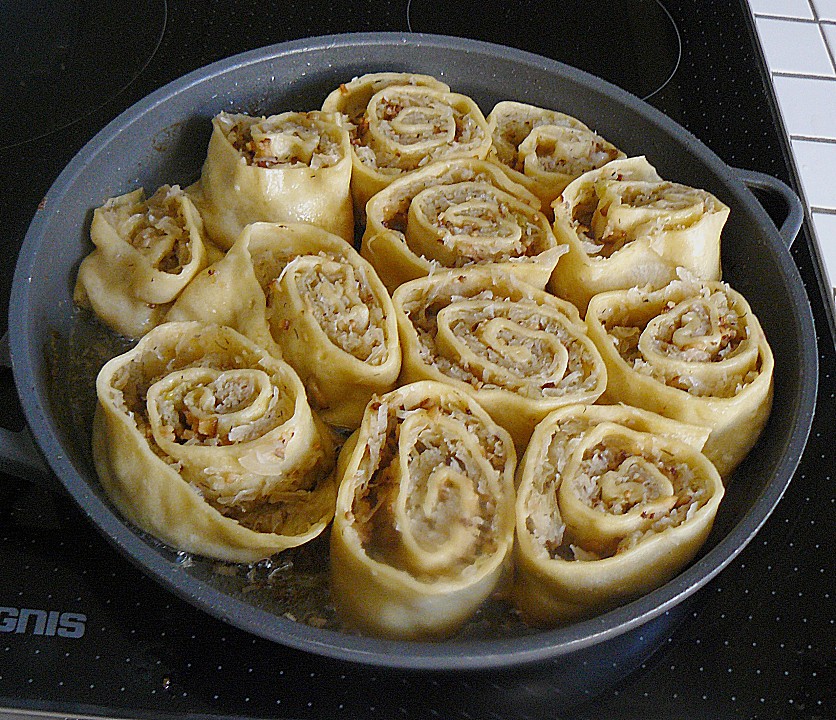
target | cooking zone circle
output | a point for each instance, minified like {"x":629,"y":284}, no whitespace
{"x":601,"y":39}
{"x":64,"y":60}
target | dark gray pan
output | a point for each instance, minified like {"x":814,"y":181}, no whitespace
{"x":163,"y":139}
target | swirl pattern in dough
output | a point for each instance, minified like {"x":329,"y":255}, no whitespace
{"x":627,"y":227}
{"x":310,"y":298}
{"x":146,"y":251}
{"x":407,"y":122}
{"x":352,"y":98}
{"x":207,"y":442}
{"x":544,"y":150}
{"x":291,"y":167}
{"x":424,"y":524}
{"x":519,"y":351}
{"x":453,"y":214}
{"x":693,"y":351}
{"x":612,"y":501}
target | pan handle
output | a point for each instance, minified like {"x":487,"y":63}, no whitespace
{"x":19,"y":455}
{"x":774,"y":187}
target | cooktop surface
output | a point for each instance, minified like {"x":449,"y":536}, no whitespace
{"x":83,"y":632}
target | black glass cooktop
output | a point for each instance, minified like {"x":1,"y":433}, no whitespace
{"x":604,"y":39}
{"x":64,"y":60}
{"x":101,"y":639}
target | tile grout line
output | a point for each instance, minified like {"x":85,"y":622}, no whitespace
{"x":790,"y":19}
{"x":802,"y":76}
{"x":803,"y":21}
{"x":812,"y":139}
{"x":786,"y":18}
{"x":831,"y":70}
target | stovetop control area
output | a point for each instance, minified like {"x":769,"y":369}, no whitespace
{"x":83,"y":632}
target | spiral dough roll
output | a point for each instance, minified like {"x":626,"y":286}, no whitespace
{"x":693,"y":351}
{"x":544,"y":150}
{"x":454,"y":214}
{"x":146,"y":251}
{"x":399,"y":122}
{"x":424,"y":524}
{"x":291,"y":167}
{"x":612,"y":501}
{"x":207,"y":442}
{"x":519,"y":351}
{"x":627,"y":227}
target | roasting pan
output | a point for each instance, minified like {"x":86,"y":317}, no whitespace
{"x":163,"y":139}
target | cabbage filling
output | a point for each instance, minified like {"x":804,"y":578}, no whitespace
{"x":284,"y":141}
{"x":447,"y":492}
{"x":615,"y":480}
{"x":340,"y":297}
{"x":156,"y":227}
{"x":704,"y":330}
{"x":526,"y":348}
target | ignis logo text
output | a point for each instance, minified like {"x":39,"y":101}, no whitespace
{"x":42,"y":622}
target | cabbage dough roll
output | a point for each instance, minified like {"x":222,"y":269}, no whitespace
{"x":406,"y":122}
{"x":352,"y":98}
{"x":146,"y":251}
{"x":544,"y":150}
{"x":627,"y":227}
{"x":291,"y":167}
{"x":207,"y":442}
{"x":321,"y":304}
{"x":424,"y":525}
{"x":519,"y":351}
{"x":458,"y":213}
{"x":693,"y":351}
{"x":612,"y":501}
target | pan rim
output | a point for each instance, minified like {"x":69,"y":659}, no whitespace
{"x":449,"y":655}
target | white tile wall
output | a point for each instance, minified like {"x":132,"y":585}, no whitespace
{"x":798,"y":38}
{"x":825,"y":9}
{"x":782,"y":8}
{"x":816,"y":163}
{"x":808,"y":106}
{"x":794,"y":46}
